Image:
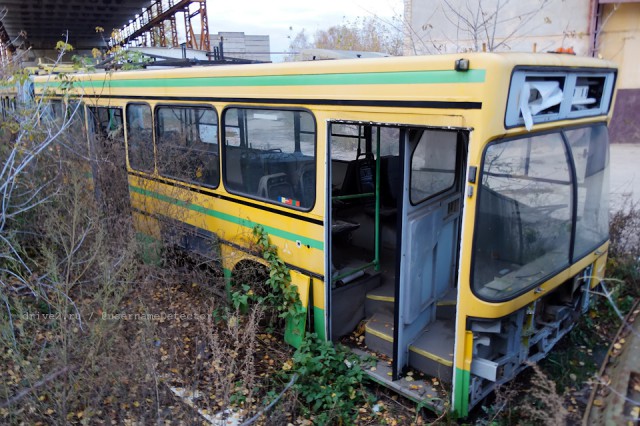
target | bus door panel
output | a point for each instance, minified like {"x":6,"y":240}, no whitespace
{"x":429,"y":233}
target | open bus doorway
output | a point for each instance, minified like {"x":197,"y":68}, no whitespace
{"x":396,"y":209}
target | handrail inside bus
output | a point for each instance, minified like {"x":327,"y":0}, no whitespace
{"x":354,"y":270}
{"x":354,"y":196}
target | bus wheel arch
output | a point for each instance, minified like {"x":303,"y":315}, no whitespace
{"x":251,"y":272}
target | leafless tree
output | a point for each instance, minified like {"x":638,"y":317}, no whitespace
{"x":479,"y":25}
{"x":29,"y":133}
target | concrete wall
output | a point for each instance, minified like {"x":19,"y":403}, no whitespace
{"x":242,"y":46}
{"x":619,"y":41}
{"x":447,"y":26}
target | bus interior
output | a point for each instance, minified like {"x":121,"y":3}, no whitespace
{"x":396,"y":210}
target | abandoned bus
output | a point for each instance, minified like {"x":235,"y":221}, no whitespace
{"x":452,"y":209}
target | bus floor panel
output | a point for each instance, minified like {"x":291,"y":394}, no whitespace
{"x":420,"y":390}
{"x":382,"y":299}
{"x":345,"y":257}
{"x":431,"y":353}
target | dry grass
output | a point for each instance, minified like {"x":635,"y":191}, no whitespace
{"x":232,"y":368}
{"x":542,"y":404}
{"x":624,"y":251}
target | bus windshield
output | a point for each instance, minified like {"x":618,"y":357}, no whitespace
{"x":528,"y":196}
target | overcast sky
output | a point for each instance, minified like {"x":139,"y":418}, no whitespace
{"x":275,"y":17}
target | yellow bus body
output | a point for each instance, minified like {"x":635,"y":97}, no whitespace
{"x":425,"y":92}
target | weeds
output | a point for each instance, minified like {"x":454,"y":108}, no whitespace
{"x":232,"y":368}
{"x":330,"y":378}
{"x":534,"y":402}
{"x":542,"y":404}
{"x":330,"y":383}
{"x":65,"y":270}
{"x":624,"y":252}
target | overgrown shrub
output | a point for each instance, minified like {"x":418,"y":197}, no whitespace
{"x":624,"y":251}
{"x":330,"y":382}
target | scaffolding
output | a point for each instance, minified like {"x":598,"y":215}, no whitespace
{"x":156,"y":26}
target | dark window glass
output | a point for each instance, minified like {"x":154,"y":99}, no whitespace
{"x":187,"y":144}
{"x":56,"y":111}
{"x":590,"y":149}
{"x":524,"y":215}
{"x":51,"y":113}
{"x":77,"y":132}
{"x":140,"y":137}
{"x":108,"y":123}
{"x":433,"y":163}
{"x":75,"y":113}
{"x":108,"y":156}
{"x":270,"y":154}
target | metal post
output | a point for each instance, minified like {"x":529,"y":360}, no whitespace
{"x":205,"y":40}
{"x":376,"y":260}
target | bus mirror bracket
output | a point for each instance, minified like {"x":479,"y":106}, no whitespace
{"x":462,"y":64}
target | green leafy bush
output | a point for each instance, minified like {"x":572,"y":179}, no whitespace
{"x":330,"y":383}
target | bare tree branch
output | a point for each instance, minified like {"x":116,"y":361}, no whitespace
{"x":17,"y":397}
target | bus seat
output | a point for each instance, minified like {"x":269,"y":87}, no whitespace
{"x":360,"y":177}
{"x":306,"y":183}
{"x":253,"y":170}
{"x":233,"y":173}
{"x":275,"y":186}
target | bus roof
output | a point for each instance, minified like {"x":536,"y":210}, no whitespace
{"x":386,"y":64}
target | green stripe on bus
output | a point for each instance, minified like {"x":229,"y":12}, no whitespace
{"x":229,"y":218}
{"x":461,"y":389}
{"x":318,"y":323}
{"x":340,"y":79}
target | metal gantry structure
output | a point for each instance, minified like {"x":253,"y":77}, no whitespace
{"x":156,"y":26}
{"x":151,"y":24}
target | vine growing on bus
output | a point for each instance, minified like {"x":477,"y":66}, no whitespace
{"x":282,"y":296}
{"x":330,"y":378}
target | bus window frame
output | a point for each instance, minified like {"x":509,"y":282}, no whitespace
{"x":156,"y":138}
{"x":224,"y":154}
{"x":457,"y":164}
{"x":585,"y":253}
{"x":94,"y":116}
{"x":571,"y":260}
{"x":558,"y":71}
{"x":154,"y":169}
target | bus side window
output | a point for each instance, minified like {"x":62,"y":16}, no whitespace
{"x":140,"y":137}
{"x":433,"y":163}
{"x":270,"y":154}
{"x":187,"y":144}
{"x":77,"y":128}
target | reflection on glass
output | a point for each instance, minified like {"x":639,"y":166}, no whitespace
{"x":270,"y":155}
{"x":140,"y":137}
{"x":433,"y":163}
{"x":523,"y":229}
{"x":590,"y":149}
{"x":187,"y":144}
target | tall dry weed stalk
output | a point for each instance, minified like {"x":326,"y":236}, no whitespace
{"x":64,"y":264}
{"x":233,"y":347}
{"x":542,"y":404}
{"x":624,"y":250}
